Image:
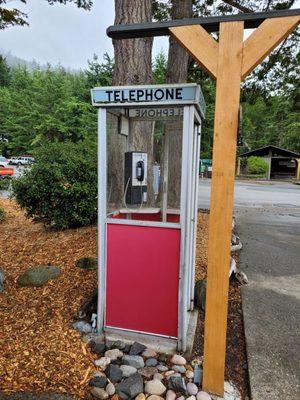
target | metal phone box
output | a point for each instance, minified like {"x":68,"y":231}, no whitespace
{"x":135,"y":177}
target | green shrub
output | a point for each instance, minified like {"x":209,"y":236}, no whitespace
{"x":256,"y":166}
{"x":60,"y":189}
{"x":5,"y":183}
{"x":2,"y":214}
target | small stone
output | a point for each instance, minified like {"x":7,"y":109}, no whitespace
{"x":169,"y":373}
{"x":191,"y":398}
{"x":127,"y":370}
{"x":115,"y":397}
{"x":178,"y":360}
{"x":97,"y":348}
{"x":114,"y":373}
{"x":151,"y":362}
{"x":155,"y":387}
{"x":114,"y":354}
{"x":175,"y":374}
{"x":177,"y":384}
{"x":110,"y":389}
{"x":189,"y":367}
{"x":179,"y":368}
{"x":102,"y":362}
{"x":136,"y":349}
{"x":181,"y":398}
{"x":158,"y":376}
{"x":131,"y":386}
{"x":189,"y":374}
{"x":147,"y":372}
{"x":98,"y":381}
{"x":140,"y":396}
{"x":133,"y":361}
{"x":82,"y":326}
{"x":87,"y":263}
{"x":98,"y":373}
{"x":170,"y":395}
{"x":127,"y":348}
{"x":155,"y":397}
{"x":149,"y":353}
{"x":198,"y":372}
{"x":99,"y":393}
{"x":162,"y":368}
{"x":192,"y":389}
{"x":203,"y":396}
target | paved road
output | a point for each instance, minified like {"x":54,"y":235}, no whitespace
{"x":268,"y":221}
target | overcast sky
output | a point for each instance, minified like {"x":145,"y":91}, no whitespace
{"x":63,"y":33}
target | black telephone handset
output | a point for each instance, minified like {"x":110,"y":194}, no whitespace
{"x":140,"y":171}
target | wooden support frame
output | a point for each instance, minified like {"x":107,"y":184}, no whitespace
{"x":229,"y":62}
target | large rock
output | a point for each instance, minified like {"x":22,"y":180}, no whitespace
{"x":87,"y":263}
{"x":133,"y":361}
{"x":82,"y":326}
{"x":131,"y":386}
{"x":192,"y":389}
{"x":38,"y":276}
{"x":2,"y":276}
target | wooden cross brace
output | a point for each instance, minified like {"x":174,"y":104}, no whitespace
{"x":229,"y":61}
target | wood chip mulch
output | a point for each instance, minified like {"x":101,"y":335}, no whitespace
{"x":236,"y":369}
{"x":40,"y":351}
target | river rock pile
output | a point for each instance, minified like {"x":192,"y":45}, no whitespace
{"x":136,"y":372}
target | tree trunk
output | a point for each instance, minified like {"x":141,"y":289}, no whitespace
{"x":177,"y":71}
{"x":133,"y":66}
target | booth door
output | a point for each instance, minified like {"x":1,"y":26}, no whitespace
{"x":142,"y":278}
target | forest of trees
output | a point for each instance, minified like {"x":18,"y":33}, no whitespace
{"x":54,"y":105}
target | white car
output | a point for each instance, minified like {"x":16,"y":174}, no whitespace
{"x":21,"y":161}
{"x":4,"y":162}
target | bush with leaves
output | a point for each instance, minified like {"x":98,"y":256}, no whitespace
{"x":60,"y":190}
{"x":256,"y":166}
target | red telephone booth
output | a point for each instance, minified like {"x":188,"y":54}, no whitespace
{"x":149,"y":145}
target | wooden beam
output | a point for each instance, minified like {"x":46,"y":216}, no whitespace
{"x":221,"y":206}
{"x":264,"y":39}
{"x":210,"y":24}
{"x":200,"y":44}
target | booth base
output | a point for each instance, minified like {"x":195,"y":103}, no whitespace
{"x":158,"y":343}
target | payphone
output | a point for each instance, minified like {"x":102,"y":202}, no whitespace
{"x":135,"y":178}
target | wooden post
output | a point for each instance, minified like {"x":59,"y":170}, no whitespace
{"x":221,"y":207}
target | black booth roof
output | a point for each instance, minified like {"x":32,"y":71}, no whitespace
{"x":276,"y":151}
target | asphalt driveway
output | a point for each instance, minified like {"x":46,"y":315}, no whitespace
{"x":268,"y":222}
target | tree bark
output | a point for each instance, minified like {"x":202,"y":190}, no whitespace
{"x":177,"y":71}
{"x":133,"y":66}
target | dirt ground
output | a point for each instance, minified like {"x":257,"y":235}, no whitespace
{"x":40,"y":352}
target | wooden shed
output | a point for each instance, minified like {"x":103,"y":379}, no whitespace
{"x":283,"y":164}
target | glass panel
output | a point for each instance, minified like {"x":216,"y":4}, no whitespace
{"x":144,"y":146}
